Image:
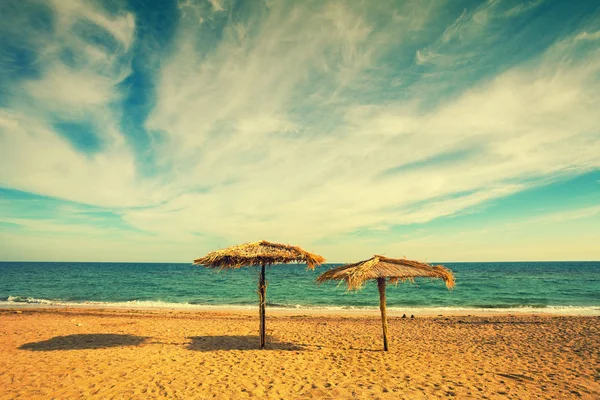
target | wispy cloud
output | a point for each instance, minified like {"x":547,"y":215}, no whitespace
{"x":562,"y":216}
{"x":296,"y":121}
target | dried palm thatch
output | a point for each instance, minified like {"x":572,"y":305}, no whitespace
{"x":258,"y":253}
{"x":392,"y":269}
{"x":261,"y":253}
{"x":382,"y":268}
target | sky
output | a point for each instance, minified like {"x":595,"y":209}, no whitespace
{"x":434,"y":130}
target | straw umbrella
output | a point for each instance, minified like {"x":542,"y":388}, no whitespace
{"x":381,"y":268}
{"x":261,"y":253}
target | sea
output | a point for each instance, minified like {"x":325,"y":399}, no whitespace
{"x":544,"y":287}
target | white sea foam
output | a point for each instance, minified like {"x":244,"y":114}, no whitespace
{"x":29,"y":302}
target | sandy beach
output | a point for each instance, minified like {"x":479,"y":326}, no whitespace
{"x":94,"y":353}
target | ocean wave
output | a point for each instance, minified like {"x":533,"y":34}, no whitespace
{"x":28,"y":300}
{"x":280,"y":305}
{"x":494,"y":306}
{"x":24,"y":301}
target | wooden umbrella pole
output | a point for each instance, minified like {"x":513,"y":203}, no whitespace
{"x":381,"y":287}
{"x":262,"y":296}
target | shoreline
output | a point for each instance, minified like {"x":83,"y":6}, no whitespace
{"x":311,"y":311}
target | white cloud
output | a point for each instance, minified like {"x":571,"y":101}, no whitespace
{"x":471,"y":34}
{"x":46,"y":163}
{"x":217,"y":6}
{"x":588,"y":36}
{"x":121,"y":27}
{"x":66,"y":89}
{"x":523,"y":7}
{"x":277,"y":133}
{"x":264,"y":124}
{"x":561,"y":216}
{"x":530,"y":122}
{"x":35,"y":158}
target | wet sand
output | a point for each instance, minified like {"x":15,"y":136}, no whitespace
{"x":78,"y":353}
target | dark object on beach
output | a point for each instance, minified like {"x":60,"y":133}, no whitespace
{"x":261,"y":253}
{"x":412,"y":317}
{"x":403,"y":315}
{"x":381,"y":268}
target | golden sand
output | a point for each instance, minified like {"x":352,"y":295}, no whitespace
{"x":60,"y":353}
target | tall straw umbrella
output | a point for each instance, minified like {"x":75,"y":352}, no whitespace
{"x":381,"y":268}
{"x":261,"y":253}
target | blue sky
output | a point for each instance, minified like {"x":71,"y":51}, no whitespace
{"x":436,"y":130}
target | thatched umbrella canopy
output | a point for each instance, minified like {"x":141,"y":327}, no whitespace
{"x":261,"y":253}
{"x":381,"y":269}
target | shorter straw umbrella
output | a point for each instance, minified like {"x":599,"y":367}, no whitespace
{"x":381,"y":268}
{"x":259,"y":253}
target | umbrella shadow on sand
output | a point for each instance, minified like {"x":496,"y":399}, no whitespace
{"x":84,"y":342}
{"x":214,"y":343}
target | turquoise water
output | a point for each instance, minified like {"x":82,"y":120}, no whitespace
{"x":519,"y":285}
